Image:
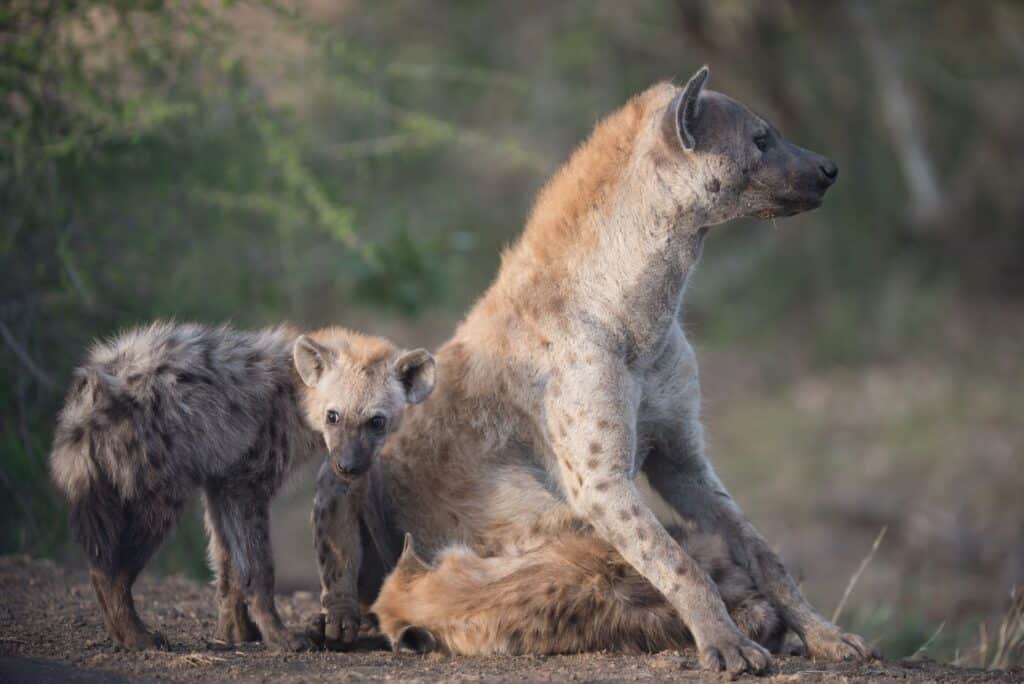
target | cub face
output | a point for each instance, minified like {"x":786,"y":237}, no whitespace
{"x":357,"y":388}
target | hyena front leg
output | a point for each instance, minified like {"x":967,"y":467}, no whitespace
{"x":242,"y":517}
{"x":338,"y":543}
{"x":701,"y":498}
{"x":233,"y":622}
{"x":594,"y":442}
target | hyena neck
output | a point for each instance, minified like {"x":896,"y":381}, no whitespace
{"x":650,"y":243}
{"x":609,"y":240}
{"x":628,"y":261}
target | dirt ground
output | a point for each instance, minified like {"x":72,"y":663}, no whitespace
{"x":50,"y":631}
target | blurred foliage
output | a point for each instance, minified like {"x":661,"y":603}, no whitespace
{"x":305,"y":160}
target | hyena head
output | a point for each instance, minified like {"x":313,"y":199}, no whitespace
{"x":357,"y":388}
{"x":737,"y":163}
{"x":406,"y":598}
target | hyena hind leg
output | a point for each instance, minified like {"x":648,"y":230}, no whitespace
{"x":234,"y":626}
{"x":138,"y":537}
{"x":242,"y":519}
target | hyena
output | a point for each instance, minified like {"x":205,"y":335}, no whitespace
{"x":163,"y":410}
{"x":572,"y":377}
{"x":574,"y":593}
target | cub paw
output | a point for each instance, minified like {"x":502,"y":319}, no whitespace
{"x":341,"y":629}
{"x":236,"y":627}
{"x":144,"y":641}
{"x":288,"y":642}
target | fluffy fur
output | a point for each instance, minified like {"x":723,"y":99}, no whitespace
{"x":573,"y":594}
{"x":161,"y":411}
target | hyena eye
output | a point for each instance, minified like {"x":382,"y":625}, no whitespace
{"x":761,"y":140}
{"x":377,"y":423}
{"x":332,"y":417}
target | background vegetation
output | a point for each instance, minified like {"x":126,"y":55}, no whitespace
{"x":365,"y":161}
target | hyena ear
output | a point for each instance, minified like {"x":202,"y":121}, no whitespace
{"x":415,"y":639}
{"x":312,"y":359}
{"x":684,"y":109}
{"x":417,"y":372}
{"x":409,"y":563}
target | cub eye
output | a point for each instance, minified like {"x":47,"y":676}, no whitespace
{"x":761,"y":141}
{"x":377,"y":423}
{"x":332,"y":417}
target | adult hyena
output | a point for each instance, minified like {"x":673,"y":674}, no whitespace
{"x":571,"y":376}
{"x":161,"y":411}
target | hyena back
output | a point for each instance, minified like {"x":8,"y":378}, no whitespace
{"x":164,"y":410}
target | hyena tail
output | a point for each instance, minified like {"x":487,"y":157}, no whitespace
{"x":573,"y":594}
{"x":97,"y":515}
{"x":97,"y":521}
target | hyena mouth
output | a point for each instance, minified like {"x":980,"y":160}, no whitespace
{"x":786,"y":208}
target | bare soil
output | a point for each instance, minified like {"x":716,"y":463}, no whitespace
{"x":51,"y":631}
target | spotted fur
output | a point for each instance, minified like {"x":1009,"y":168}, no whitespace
{"x":572,"y":376}
{"x":161,"y":411}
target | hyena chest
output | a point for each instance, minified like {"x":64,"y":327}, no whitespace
{"x":668,"y":401}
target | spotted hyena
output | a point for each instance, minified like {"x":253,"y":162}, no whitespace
{"x":569,"y":380}
{"x":161,"y":411}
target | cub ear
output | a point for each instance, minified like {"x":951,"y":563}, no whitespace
{"x":684,"y":109}
{"x":410,"y":563}
{"x":416,"y":370}
{"x":312,"y":359}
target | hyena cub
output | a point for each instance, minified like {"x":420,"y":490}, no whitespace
{"x":161,"y":411}
{"x":570,"y":595}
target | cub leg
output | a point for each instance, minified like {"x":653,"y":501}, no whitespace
{"x":338,"y":543}
{"x":233,"y":622}
{"x":241,"y":517}
{"x":142,"y":530}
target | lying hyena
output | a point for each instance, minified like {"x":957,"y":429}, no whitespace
{"x":572,"y":376}
{"x":160,"y":411}
{"x":574,"y":593}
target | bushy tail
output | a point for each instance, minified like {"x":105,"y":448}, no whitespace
{"x":97,"y":521}
{"x":96,"y":511}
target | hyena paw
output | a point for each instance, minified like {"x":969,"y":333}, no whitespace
{"x":733,"y":653}
{"x":237,"y":628}
{"x":760,"y":622}
{"x":144,"y":641}
{"x":315,"y":631}
{"x":341,"y":629}
{"x":828,"y":642}
{"x":287,"y":642}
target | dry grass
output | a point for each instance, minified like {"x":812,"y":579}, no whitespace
{"x":856,"y":575}
{"x":1004,"y":649}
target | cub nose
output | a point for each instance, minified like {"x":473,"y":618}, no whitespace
{"x":829,"y":170}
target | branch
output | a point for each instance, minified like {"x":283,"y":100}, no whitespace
{"x":19,"y":351}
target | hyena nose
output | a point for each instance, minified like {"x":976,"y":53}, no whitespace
{"x":829,"y":170}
